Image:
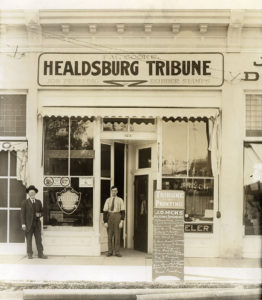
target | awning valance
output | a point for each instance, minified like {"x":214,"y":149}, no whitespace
{"x":131,"y":112}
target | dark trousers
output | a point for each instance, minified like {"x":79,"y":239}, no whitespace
{"x":114,"y":231}
{"x":36,"y":231}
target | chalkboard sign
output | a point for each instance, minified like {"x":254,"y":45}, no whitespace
{"x":168,"y":234}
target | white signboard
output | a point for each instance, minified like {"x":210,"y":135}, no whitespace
{"x":86,"y":182}
{"x":134,"y":70}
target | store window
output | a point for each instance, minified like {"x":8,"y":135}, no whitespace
{"x":12,"y":193}
{"x":253,"y":188}
{"x":144,"y":158}
{"x":129,"y":124}
{"x":186,"y":165}
{"x":68,"y":171}
{"x":13,"y":115}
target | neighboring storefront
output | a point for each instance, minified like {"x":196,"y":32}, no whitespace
{"x":74,"y":122}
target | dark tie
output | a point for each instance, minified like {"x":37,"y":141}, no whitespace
{"x":113,"y":204}
{"x":33,"y":204}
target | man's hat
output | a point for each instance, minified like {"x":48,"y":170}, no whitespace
{"x":31,"y":187}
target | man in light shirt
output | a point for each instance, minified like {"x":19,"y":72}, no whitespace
{"x":31,"y":212}
{"x":114,"y":215}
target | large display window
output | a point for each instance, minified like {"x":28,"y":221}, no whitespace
{"x":186,"y":165}
{"x":68,"y":171}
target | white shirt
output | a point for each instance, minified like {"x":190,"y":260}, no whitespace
{"x":118,"y":204}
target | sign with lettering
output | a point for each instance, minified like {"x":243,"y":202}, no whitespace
{"x":125,"y":70}
{"x":253,"y":76}
{"x":199,"y":227}
{"x":168,"y":234}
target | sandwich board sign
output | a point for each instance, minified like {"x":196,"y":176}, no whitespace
{"x":168,"y":234}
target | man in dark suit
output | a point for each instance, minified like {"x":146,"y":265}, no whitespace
{"x":31,"y":212}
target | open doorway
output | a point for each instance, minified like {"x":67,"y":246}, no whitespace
{"x":129,"y":165}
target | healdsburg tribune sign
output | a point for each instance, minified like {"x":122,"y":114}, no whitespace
{"x":138,"y":70}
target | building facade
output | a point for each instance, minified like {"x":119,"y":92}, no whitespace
{"x":144,"y":100}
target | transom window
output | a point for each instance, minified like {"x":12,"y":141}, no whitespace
{"x":129,"y":124}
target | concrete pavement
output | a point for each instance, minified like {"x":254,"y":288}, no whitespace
{"x":45,"y":279}
{"x":134,"y":266}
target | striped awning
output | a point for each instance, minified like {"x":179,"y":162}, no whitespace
{"x":125,"y":112}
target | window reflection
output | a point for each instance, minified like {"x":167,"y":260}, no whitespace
{"x":56,"y":132}
{"x":174,"y":148}
{"x":199,"y":160}
{"x":81,"y":147}
{"x":199,"y":202}
{"x":54,"y":216}
{"x":71,"y":156}
{"x":142,"y":125}
{"x":253,"y":188}
{"x":115,"y":124}
{"x":185,"y":149}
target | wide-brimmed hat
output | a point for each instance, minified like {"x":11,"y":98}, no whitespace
{"x":32,"y":187}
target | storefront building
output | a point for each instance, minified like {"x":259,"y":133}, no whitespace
{"x":143,"y":100}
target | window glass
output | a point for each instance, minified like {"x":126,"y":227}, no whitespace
{"x":105,"y":192}
{"x":115,"y":124}
{"x":144,"y":158}
{"x":13,"y":158}
{"x":3,"y":226}
{"x":56,"y":137}
{"x":142,"y":125}
{"x":187,"y":166}
{"x":199,"y":199}
{"x":82,"y":216}
{"x":81,"y":145}
{"x":105,"y":160}
{"x":16,"y":233}
{"x":199,"y":160}
{"x":82,"y":134}
{"x":253,"y":188}
{"x":3,"y":192}
{"x":3,"y":163}
{"x":12,"y":115}
{"x":174,"y":148}
{"x":253,"y":115}
{"x":17,"y":193}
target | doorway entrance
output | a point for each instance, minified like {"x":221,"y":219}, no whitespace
{"x":132,"y":167}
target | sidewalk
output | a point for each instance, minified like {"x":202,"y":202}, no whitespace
{"x":134,"y":266}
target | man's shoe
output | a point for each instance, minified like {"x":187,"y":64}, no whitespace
{"x":109,"y":254}
{"x":30,"y":256}
{"x":42,"y":256}
{"x":118,"y":255}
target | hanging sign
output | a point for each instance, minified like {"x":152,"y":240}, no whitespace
{"x":168,"y":234}
{"x":131,"y":70}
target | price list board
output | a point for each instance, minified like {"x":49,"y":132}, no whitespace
{"x":168,"y":234}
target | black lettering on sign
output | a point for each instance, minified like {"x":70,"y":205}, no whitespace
{"x":201,"y":228}
{"x":168,"y":243}
{"x":251,"y":76}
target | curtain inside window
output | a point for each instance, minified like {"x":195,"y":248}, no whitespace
{"x":22,"y":158}
{"x":214,"y":128}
